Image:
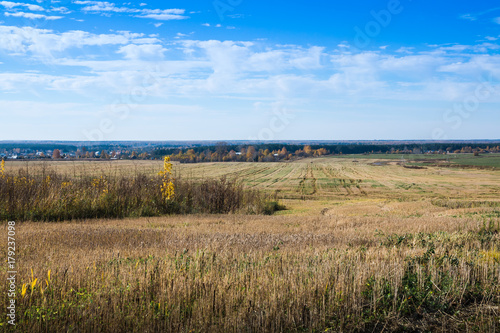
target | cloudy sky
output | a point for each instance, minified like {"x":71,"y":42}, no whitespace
{"x":241,"y":69}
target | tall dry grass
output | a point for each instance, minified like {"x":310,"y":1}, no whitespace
{"x":364,"y":265}
{"x":45,"y":195}
{"x":217,"y":273}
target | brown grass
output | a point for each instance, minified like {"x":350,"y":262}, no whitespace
{"x":333,"y":178}
{"x":365,"y":263}
{"x":48,"y":195}
{"x":233,"y":273}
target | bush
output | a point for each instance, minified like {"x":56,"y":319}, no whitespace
{"x":270,"y":207}
{"x":53,"y":197}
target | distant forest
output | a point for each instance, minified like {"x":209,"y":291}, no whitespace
{"x":276,"y":152}
{"x":196,"y":152}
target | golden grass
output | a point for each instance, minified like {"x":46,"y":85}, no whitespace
{"x":328,"y":178}
{"x":391,"y":259}
{"x":48,"y":195}
{"x":230,"y":273}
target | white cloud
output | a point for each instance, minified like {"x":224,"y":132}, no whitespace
{"x":485,"y":47}
{"x":174,"y":11}
{"x":14,"y":81}
{"x":476,"y":65}
{"x":11,"y":5}
{"x":403,"y":49}
{"x":62,"y":10}
{"x":208,"y":25}
{"x":43,"y":43}
{"x":180,"y":35}
{"x":310,"y":59}
{"x":242,"y":69}
{"x":476,"y":16}
{"x":104,"y":66}
{"x":497,"y":20}
{"x":455,"y":48}
{"x":33,"y":16}
{"x":460,"y":49}
{"x":411,"y":67}
{"x":98,"y":6}
{"x":468,"y":17}
{"x":34,"y":7}
{"x":157,"y":25}
{"x":163,"y":17}
{"x":142,"y":52}
{"x":156,"y":14}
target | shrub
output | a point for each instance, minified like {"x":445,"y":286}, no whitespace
{"x":54,"y":197}
{"x":271,"y":207}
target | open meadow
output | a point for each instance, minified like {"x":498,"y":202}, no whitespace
{"x":364,"y":245}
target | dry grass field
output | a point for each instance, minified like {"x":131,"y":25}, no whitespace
{"x":364,"y":246}
{"x":311,"y":179}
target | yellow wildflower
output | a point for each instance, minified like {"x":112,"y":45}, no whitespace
{"x":24,"y":289}
{"x":167,"y":187}
{"x":33,"y":283}
{"x":2,"y":168}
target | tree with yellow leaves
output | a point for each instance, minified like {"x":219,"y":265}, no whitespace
{"x":2,"y":168}
{"x":167,"y":186}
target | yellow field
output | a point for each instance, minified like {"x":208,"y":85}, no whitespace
{"x":319,"y":178}
{"x":341,"y":179}
{"x":365,"y":245}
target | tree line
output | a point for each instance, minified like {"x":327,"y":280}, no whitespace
{"x":273,"y":152}
{"x":265,"y":152}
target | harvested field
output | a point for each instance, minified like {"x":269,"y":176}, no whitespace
{"x":360,"y":248}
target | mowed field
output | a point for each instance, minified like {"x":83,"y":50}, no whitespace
{"x":365,"y":245}
{"x":337,"y":178}
{"x":341,"y":178}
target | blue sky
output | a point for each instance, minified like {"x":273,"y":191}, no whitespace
{"x":240,"y":69}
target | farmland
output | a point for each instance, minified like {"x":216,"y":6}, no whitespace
{"x":349,"y":178}
{"x":366,"y":244}
{"x":339,"y":177}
